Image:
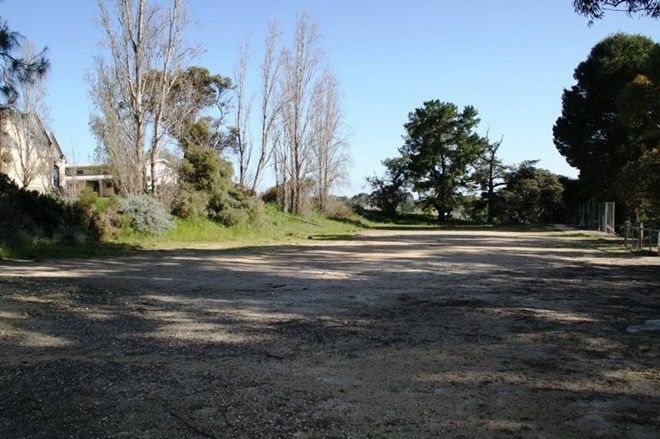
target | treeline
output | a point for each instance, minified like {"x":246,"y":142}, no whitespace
{"x":610,"y":126}
{"x":457,"y":173}
{"x":151,"y":102}
{"x":609,"y":130}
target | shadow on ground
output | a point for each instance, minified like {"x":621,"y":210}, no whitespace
{"x":395,"y":333}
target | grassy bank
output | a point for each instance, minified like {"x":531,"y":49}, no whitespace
{"x":275,"y":227}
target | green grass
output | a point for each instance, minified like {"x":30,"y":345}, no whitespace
{"x":276,"y":227}
{"x":374,"y":219}
{"x":5,"y":252}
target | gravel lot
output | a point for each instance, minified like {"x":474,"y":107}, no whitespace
{"x":392,"y":334}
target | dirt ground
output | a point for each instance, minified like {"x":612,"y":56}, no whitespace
{"x":392,"y":334}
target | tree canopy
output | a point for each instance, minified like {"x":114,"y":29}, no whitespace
{"x":489,"y":175}
{"x":595,"y":9}
{"x":197,"y":90}
{"x":605,"y":124}
{"x":440,"y":146}
{"x":531,"y":194}
{"x":390,"y":191}
{"x":13,"y":68}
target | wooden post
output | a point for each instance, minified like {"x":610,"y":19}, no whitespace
{"x":650,"y":240}
{"x":641,"y":235}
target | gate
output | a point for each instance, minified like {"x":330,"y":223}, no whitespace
{"x":595,"y":216}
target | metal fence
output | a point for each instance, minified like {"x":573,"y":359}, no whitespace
{"x":595,"y":216}
{"x":639,"y":237}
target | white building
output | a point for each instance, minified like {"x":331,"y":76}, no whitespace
{"x":30,"y":154}
{"x":99,"y":177}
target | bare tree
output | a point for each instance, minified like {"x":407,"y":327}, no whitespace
{"x":300,"y":66}
{"x":143,"y":51}
{"x":280,"y":168}
{"x":330,"y":143}
{"x":490,"y":174}
{"x":130,"y":42}
{"x":242,"y":139}
{"x":170,"y":56}
{"x":271,"y":101}
{"x":113,"y":127}
{"x":32,"y":145}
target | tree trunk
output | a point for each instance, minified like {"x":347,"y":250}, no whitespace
{"x":441,"y":214}
{"x":491,"y":192}
{"x":153,"y":171}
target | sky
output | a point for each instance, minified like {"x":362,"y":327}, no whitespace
{"x":509,"y":59}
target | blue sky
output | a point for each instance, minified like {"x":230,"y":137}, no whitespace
{"x":509,"y":59}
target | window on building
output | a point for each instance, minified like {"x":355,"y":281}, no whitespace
{"x":56,"y":176}
{"x":79,"y":172}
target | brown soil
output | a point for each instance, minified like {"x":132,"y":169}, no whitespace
{"x":395,"y":334}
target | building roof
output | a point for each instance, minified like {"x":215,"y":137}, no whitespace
{"x":48,"y":135}
{"x":93,"y":177}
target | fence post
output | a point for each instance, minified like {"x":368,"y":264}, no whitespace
{"x":641,"y":236}
{"x":626,"y":230}
{"x":650,"y":240}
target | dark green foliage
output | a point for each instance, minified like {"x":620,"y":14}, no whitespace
{"x":595,"y":9}
{"x":270,"y":195}
{"x":476,"y":209}
{"x":440,"y":147}
{"x":88,"y":199}
{"x":361,"y":200}
{"x":201,"y":89}
{"x":196,"y":89}
{"x":390,"y":191}
{"x":489,"y":176}
{"x":28,"y":217}
{"x":13,"y":69}
{"x":107,"y":220}
{"x":203,"y":168}
{"x":339,"y":208}
{"x":531,"y":195}
{"x":606,"y":123}
{"x":641,"y":180}
{"x":207,"y":188}
{"x":206,"y":176}
{"x":190,"y":203}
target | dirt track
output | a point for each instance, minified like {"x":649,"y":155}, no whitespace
{"x":399,"y":333}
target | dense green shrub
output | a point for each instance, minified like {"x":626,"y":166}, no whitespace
{"x":390,"y":191}
{"x":146,"y":214}
{"x":338,"y":208}
{"x":270,"y":195}
{"x":202,"y":170}
{"x":531,"y":195}
{"x":233,"y":206}
{"x":190,"y":203}
{"x":107,"y":219}
{"x":29,"y":217}
{"x":88,"y":200}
